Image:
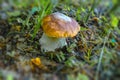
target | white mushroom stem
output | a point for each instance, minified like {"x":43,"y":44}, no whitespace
{"x":51,"y":43}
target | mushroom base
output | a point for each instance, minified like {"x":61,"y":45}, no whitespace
{"x":51,"y":43}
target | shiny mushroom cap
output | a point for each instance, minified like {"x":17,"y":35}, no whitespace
{"x":59,"y":25}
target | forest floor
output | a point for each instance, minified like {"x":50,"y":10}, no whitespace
{"x":93,"y":54}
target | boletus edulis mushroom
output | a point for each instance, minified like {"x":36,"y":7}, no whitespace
{"x":57,"y":27}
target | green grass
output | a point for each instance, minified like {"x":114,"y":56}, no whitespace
{"x":45,"y":8}
{"x":97,"y":44}
{"x":42,"y":7}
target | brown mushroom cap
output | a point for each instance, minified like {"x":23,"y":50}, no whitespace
{"x":60,"y":25}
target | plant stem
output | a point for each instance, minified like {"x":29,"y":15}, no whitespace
{"x":101,"y":55}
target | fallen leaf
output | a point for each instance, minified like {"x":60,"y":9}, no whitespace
{"x":36,"y":63}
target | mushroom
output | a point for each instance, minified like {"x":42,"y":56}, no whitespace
{"x":57,"y":27}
